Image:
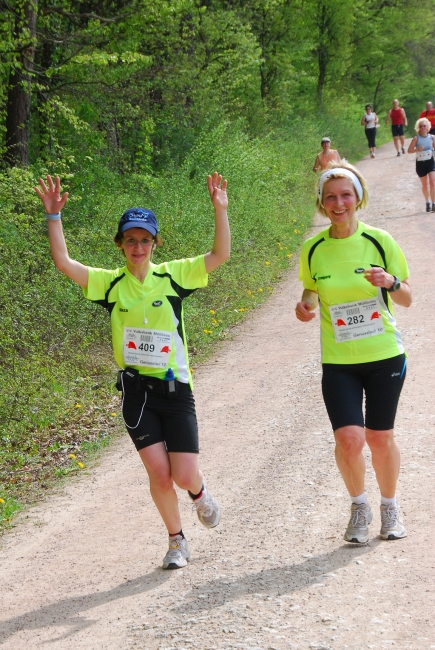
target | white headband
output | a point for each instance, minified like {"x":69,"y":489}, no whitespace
{"x":343,"y":172}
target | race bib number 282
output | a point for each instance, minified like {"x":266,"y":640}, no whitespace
{"x":357,"y":320}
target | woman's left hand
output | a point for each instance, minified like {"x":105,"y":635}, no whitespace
{"x":378,"y":277}
{"x":218,"y":191}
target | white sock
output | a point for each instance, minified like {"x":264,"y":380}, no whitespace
{"x":388,"y":502}
{"x":362,"y":498}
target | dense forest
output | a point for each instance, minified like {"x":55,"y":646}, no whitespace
{"x":138,"y":81}
{"x":133,"y":103}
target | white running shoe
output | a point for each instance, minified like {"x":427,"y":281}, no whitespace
{"x":207,"y":509}
{"x":178,"y":553}
{"x":357,"y":530}
{"x":392,"y":523}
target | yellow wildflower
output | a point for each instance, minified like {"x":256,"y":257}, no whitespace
{"x":2,"y":500}
{"x":260,"y":289}
{"x":212,"y":311}
{"x":72,"y":456}
{"x":80,"y":465}
{"x":267,"y":263}
{"x":113,"y":415}
{"x":78,"y":406}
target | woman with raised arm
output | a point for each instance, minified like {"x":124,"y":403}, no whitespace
{"x":145,"y":303}
{"x":355,"y":273}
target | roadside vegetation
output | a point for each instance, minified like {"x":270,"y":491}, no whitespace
{"x":135,"y":106}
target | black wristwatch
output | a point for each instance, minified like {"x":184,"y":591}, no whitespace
{"x":395,"y":286}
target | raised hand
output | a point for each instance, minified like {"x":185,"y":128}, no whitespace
{"x":50,"y":196}
{"x":218,"y":191}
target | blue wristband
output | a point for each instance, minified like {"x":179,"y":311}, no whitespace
{"x":53,"y":217}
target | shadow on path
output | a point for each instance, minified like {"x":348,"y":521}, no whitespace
{"x":283,"y":579}
{"x":66,"y":612}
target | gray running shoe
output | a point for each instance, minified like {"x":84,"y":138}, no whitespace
{"x":403,"y":150}
{"x":392,"y":523}
{"x":207,"y":509}
{"x":178,"y":553}
{"x":357,"y":530}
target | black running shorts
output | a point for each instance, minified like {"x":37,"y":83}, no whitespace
{"x":343,"y":388}
{"x":155,"y":418}
{"x":396,"y":130}
{"x":424,"y":167}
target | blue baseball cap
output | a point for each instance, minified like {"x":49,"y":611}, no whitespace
{"x":139,"y":218}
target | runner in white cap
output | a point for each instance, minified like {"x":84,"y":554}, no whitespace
{"x":355,"y":273}
{"x":145,"y":303}
{"x":326,"y":156}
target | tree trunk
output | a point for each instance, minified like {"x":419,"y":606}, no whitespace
{"x":19,"y":90}
{"x":321,"y":79}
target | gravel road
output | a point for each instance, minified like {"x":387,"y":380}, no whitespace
{"x":82,"y":570}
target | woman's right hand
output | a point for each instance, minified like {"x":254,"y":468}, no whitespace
{"x":50,"y":196}
{"x":304,"y":311}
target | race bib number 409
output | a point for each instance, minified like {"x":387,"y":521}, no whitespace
{"x":144,"y":347}
{"x":357,"y":320}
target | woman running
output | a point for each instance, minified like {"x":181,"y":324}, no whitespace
{"x":370,"y":121}
{"x":145,"y":303}
{"x":356,"y":272}
{"x":423,"y":144}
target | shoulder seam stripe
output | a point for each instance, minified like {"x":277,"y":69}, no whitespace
{"x":378,"y":246}
{"x":312,"y":249}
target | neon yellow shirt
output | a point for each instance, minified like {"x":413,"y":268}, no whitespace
{"x":140,"y":310}
{"x":333,"y":268}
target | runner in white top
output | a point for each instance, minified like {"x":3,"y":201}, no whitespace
{"x":370,"y":121}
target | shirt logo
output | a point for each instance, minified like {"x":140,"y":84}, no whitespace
{"x":120,"y":309}
{"x":157,"y":303}
{"x":359,"y":270}
{"x":323,"y":277}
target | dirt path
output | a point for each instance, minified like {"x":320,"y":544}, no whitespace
{"x":82,"y":571}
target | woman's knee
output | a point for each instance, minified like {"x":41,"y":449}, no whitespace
{"x":350,"y":440}
{"x":185,"y":470}
{"x":160,"y":480}
{"x":380,"y":440}
{"x":158,"y":468}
